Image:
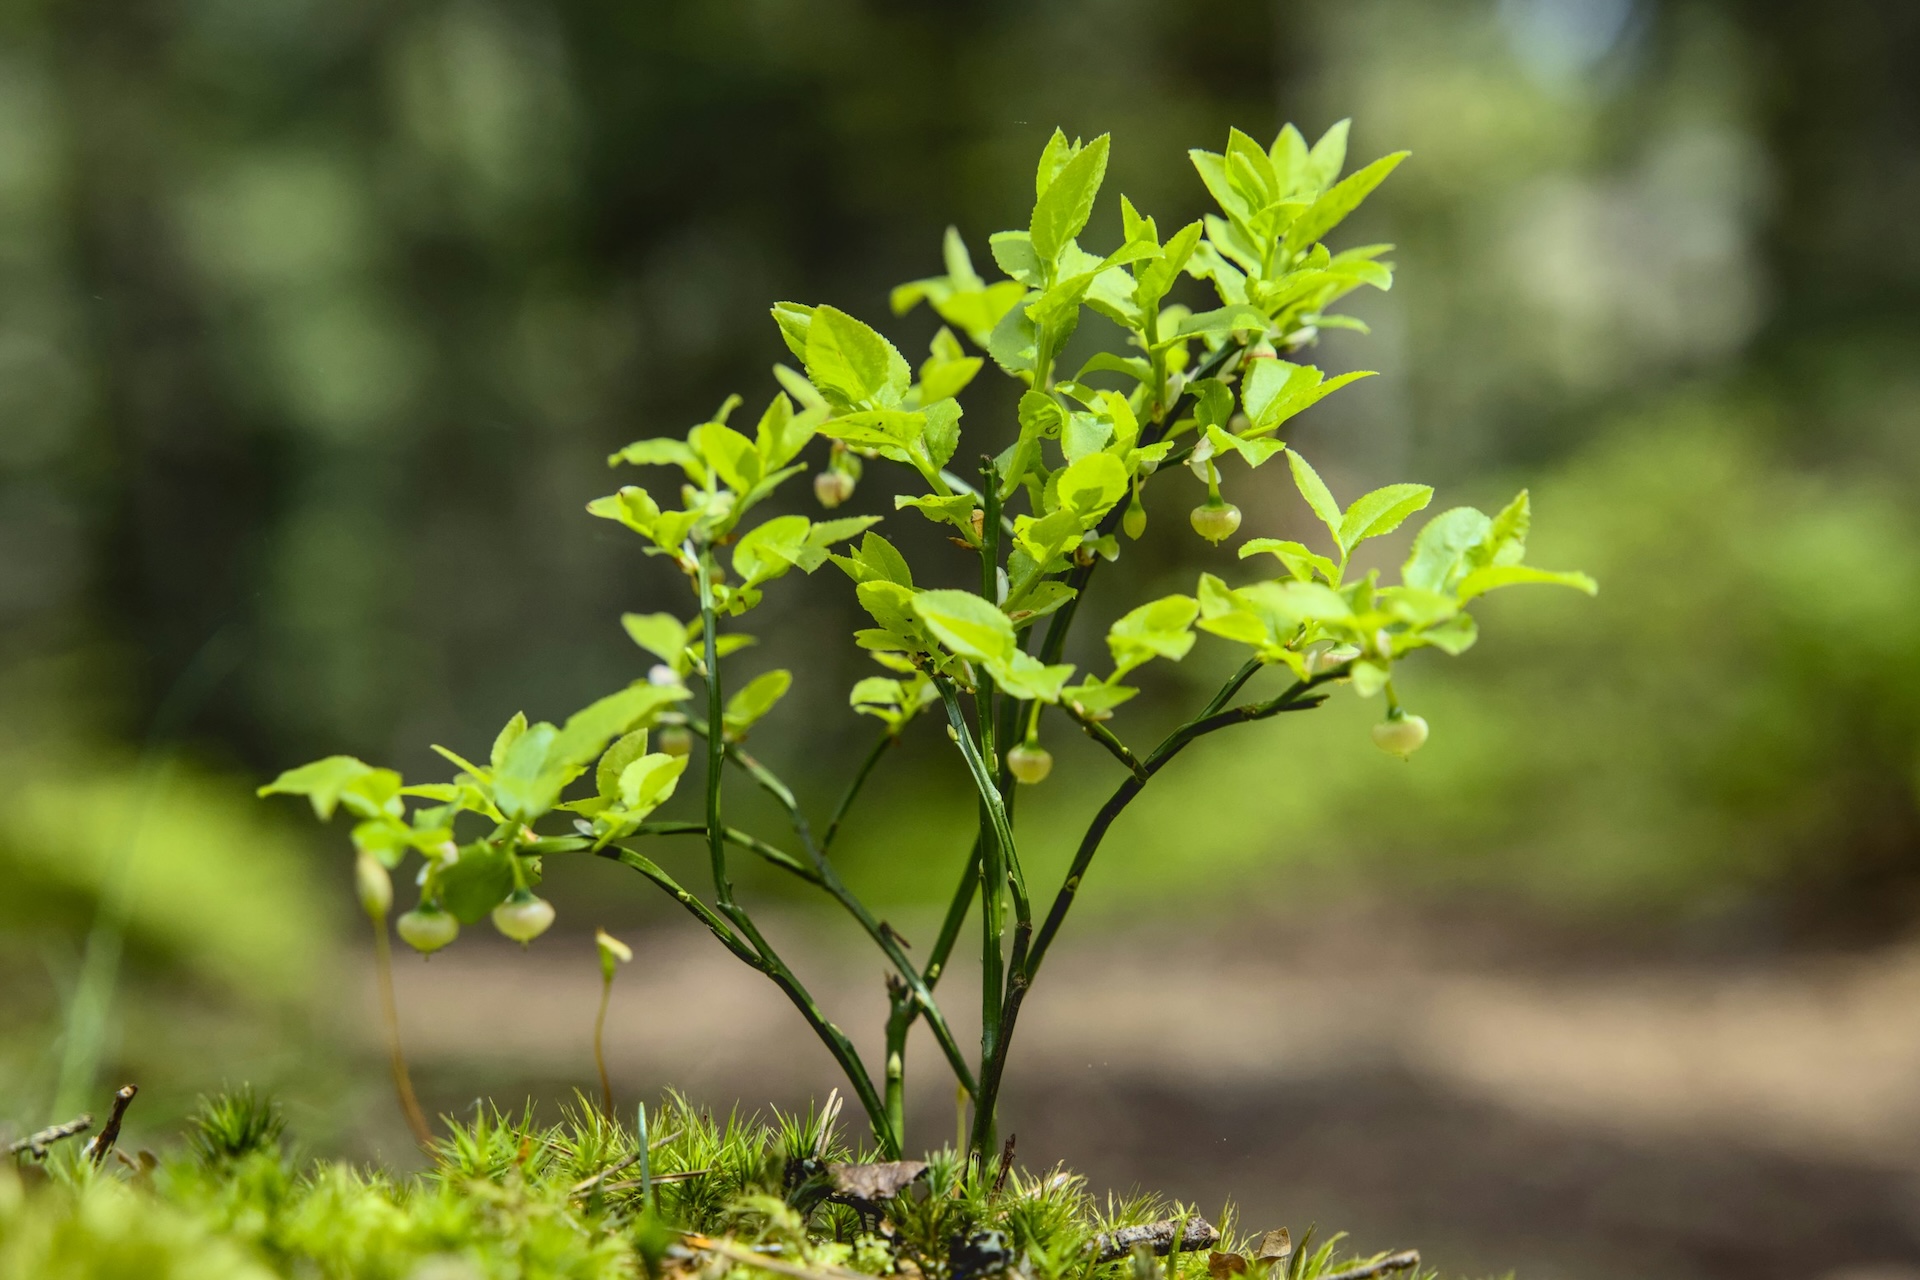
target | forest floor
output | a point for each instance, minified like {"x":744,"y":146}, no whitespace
{"x":1500,"y":1099}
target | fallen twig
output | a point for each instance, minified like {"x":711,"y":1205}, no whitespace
{"x":102,"y":1145}
{"x":1157,"y":1236}
{"x":1402,"y":1261}
{"x":36,"y":1144}
{"x":1006,"y":1164}
{"x":747,"y":1257}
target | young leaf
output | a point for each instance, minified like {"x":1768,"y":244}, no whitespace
{"x":852,"y":364}
{"x":1160,"y":629}
{"x":754,"y":700}
{"x":624,"y":751}
{"x":648,"y":782}
{"x":1023,"y":676}
{"x":1062,"y":210}
{"x":324,"y":782}
{"x":1326,"y":213}
{"x":1096,"y":699}
{"x":660,"y":634}
{"x":966,"y":624}
{"x":1301,"y":563}
{"x":505,"y":738}
{"x":1092,"y":485}
{"x":524,"y":786}
{"x":1495,"y":576}
{"x":1380,"y":512}
{"x":1441,"y":546}
{"x":1328,"y":157}
{"x":769,"y":550}
{"x":1314,"y":490}
{"x":589,"y":729}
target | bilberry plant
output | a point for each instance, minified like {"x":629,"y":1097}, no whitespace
{"x":1209,"y":389}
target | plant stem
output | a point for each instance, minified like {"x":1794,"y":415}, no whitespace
{"x":716,"y":746}
{"x":825,"y":875}
{"x":852,"y":792}
{"x":1106,"y":738}
{"x":738,"y":839}
{"x":599,"y":1048}
{"x":995,"y":844}
{"x":752,"y":950}
{"x":397,"y":1059}
{"x":1211,"y":718}
{"x":956,"y":916}
{"x":1208,"y":721}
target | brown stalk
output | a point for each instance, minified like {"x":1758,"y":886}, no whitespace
{"x":390,"y":1012}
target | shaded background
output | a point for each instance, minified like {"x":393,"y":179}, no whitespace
{"x":317,"y":321}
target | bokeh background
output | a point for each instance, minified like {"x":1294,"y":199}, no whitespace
{"x":317,"y":321}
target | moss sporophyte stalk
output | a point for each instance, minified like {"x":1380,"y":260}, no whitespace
{"x":1211,"y":323}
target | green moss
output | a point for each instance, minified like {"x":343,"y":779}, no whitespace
{"x":507,"y":1196}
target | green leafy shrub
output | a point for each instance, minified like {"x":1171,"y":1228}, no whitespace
{"x":1206,"y":390}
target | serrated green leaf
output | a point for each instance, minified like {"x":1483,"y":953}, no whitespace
{"x":1493,"y":577}
{"x":625,"y":750}
{"x":1091,"y":485}
{"x":1023,"y":676}
{"x":754,"y":700}
{"x":851,"y":363}
{"x":588,"y":730}
{"x":506,"y":737}
{"x":660,"y":634}
{"x":524,"y":786}
{"x":956,"y":509}
{"x":1301,"y":563}
{"x":648,"y":782}
{"x":966,"y":624}
{"x":1327,"y":212}
{"x":1062,"y":210}
{"x":1255,"y":452}
{"x":1440,"y":548}
{"x":1315,"y":491}
{"x":1380,"y":512}
{"x":324,"y":782}
{"x":1328,"y":157}
{"x":767,"y":551}
{"x":1013,"y":253}
{"x":1162,"y":628}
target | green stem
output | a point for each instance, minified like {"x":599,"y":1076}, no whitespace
{"x":827,"y":877}
{"x":956,"y":916}
{"x":852,"y":792}
{"x":996,"y":844}
{"x":716,"y":747}
{"x":1210,"y":720}
{"x":738,"y":839}
{"x":752,"y":949}
{"x":1106,"y":738}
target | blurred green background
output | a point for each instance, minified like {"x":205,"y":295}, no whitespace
{"x":317,"y":321}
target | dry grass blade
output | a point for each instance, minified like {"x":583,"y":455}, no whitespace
{"x":747,"y":1257}
{"x":682,"y":1175}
